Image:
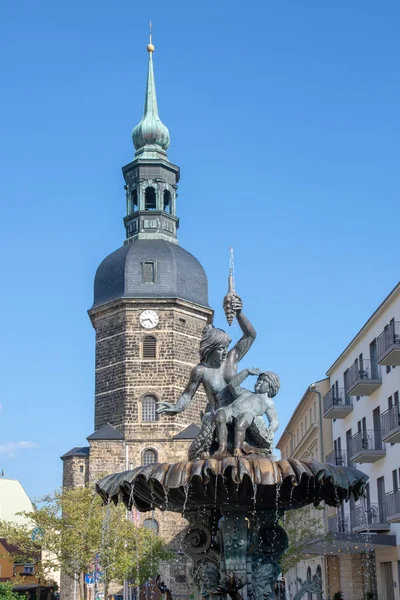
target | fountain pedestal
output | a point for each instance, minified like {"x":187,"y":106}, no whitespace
{"x":239,"y":555}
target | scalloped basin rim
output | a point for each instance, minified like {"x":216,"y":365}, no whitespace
{"x":256,"y":482}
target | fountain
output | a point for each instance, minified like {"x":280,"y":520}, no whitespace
{"x":231,"y":490}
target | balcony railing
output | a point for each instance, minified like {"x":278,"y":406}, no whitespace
{"x":338,"y":524}
{"x":363,"y":378}
{"x":390,"y":423}
{"x":339,"y":459}
{"x":370,"y":517}
{"x":393,"y":506}
{"x":366,"y":446}
{"x":336,"y":404}
{"x":388,"y":345}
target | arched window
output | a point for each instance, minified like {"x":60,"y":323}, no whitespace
{"x":167,"y":201}
{"x":151,"y":524}
{"x":149,"y":347}
{"x":319,"y":577}
{"x":134,"y":201}
{"x":150,"y":201}
{"x":149,"y":457}
{"x":309,"y":595}
{"x":149,"y":408}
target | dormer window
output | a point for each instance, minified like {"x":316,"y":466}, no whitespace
{"x":150,"y":200}
{"x":148,"y":272}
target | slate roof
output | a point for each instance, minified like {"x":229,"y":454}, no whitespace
{"x":178,"y":274}
{"x":189,"y":433}
{"x":77,"y":451}
{"x":106,"y":432}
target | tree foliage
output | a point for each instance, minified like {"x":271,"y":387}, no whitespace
{"x":6,"y":591}
{"x":303,"y":527}
{"x":70,"y":527}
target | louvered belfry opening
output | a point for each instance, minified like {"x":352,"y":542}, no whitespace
{"x":149,"y":347}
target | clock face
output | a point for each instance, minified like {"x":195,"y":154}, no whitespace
{"x":149,"y":319}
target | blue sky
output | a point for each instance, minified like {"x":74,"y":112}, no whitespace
{"x":284,"y":120}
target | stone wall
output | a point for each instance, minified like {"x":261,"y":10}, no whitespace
{"x":123,"y":376}
{"x":75,"y":471}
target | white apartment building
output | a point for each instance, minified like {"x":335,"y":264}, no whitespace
{"x":363,"y":406}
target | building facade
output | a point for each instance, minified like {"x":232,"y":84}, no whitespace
{"x":360,"y":553}
{"x":363,"y":406}
{"x":150,"y":308}
{"x":309,"y":436}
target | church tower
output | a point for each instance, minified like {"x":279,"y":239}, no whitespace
{"x":150,"y":307}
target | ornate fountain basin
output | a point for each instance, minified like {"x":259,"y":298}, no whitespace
{"x":246,"y":483}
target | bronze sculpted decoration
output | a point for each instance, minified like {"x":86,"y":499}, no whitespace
{"x":233,"y":422}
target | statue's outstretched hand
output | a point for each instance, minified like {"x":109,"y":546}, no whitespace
{"x":253,"y":371}
{"x":167,"y":408}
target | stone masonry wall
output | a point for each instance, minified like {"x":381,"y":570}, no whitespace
{"x":75,"y":471}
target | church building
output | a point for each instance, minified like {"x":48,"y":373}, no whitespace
{"x":149,"y":310}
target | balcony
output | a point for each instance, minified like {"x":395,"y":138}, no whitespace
{"x":366,"y":446}
{"x":371,"y":517}
{"x":388,"y":345}
{"x":336,"y":404}
{"x":339,"y":459}
{"x":393,"y":506}
{"x":364,"y":378}
{"x":338,"y":524}
{"x":390,"y":423}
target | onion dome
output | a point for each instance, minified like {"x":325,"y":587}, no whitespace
{"x":150,"y":136}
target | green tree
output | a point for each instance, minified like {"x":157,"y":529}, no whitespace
{"x":70,"y":527}
{"x":303,"y":528}
{"x":7,"y":593}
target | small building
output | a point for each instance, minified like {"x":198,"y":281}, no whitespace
{"x":23,"y":574}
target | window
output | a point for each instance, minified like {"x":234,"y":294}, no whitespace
{"x":134,"y":201}
{"x":81,"y":468}
{"x":395,"y":480}
{"x":149,"y":457}
{"x":167,"y":201}
{"x":149,"y":347}
{"x":148,"y":272}
{"x":29,"y":569}
{"x":149,"y":404}
{"x":150,"y":200}
{"x":151,"y":524}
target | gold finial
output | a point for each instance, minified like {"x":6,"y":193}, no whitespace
{"x":150,"y":47}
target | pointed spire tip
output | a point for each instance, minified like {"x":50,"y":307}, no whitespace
{"x":150,"y":47}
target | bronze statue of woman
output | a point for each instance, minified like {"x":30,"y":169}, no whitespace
{"x":217,"y":365}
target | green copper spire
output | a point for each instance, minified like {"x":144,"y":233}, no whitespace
{"x":150,"y":136}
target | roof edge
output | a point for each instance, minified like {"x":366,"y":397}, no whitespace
{"x":395,"y":291}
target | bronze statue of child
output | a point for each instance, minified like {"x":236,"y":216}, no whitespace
{"x":245,"y":408}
